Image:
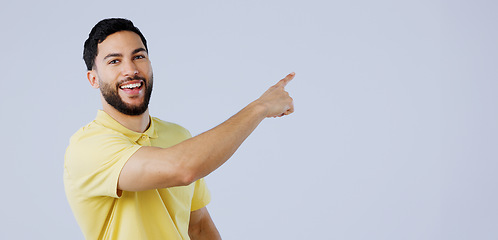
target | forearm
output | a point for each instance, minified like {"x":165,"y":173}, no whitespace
{"x":201,"y":226}
{"x":207,"y":231}
{"x":206,"y":152}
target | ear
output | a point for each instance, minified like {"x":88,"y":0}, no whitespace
{"x":92,"y":78}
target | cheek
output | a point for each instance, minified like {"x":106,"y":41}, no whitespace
{"x":108,"y":83}
{"x":110,"y":77}
{"x":146,"y":68}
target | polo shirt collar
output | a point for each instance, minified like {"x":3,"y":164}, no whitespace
{"x":107,"y":121}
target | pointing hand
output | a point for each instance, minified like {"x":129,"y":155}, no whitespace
{"x":276,"y":100}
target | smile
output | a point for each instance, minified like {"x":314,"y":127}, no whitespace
{"x":132,"y":85}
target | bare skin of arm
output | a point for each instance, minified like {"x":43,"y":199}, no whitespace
{"x":201,"y":226}
{"x":192,"y":159}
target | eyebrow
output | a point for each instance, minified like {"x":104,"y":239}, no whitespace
{"x":120,"y":55}
{"x":138,"y":50}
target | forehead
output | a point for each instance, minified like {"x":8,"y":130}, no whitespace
{"x":123,"y":42}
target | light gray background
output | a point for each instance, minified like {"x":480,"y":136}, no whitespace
{"x":394,"y":134}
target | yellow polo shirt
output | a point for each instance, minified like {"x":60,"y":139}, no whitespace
{"x":93,"y":161}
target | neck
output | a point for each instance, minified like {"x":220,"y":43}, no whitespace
{"x":138,"y":123}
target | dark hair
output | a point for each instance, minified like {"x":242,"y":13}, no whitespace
{"x":100,"y":32}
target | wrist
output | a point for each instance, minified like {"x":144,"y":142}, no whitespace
{"x":259,"y":108}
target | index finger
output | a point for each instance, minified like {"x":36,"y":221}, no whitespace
{"x":286,"y":79}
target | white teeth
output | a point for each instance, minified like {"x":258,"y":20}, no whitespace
{"x":133,"y":85}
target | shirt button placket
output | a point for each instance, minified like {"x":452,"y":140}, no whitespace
{"x":144,"y":140}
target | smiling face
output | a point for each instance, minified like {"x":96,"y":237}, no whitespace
{"x":123,"y":73}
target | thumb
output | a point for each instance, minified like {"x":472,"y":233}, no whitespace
{"x":286,"y":79}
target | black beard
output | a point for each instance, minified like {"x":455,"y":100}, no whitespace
{"x":111,"y":96}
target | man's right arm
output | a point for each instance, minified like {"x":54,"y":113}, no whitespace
{"x":194,"y":158}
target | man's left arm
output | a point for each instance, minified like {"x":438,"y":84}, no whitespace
{"x":201,"y":226}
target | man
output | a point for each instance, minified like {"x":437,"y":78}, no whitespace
{"x":131,"y":176}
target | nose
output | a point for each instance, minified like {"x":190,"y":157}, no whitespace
{"x":129,"y":69}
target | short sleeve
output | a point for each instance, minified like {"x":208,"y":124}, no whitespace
{"x":201,"y":196}
{"x":93,"y":163}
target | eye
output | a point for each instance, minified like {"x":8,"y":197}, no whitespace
{"x":113,"y":61}
{"x":139,"y":57}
